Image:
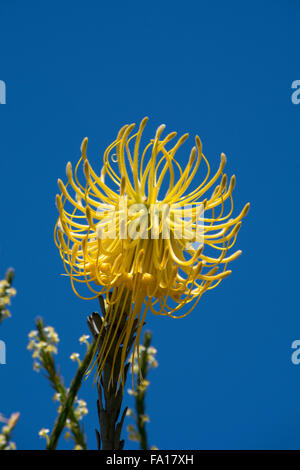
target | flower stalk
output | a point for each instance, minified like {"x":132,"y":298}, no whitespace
{"x":6,"y":431}
{"x":67,"y":407}
{"x":43,"y":343}
{"x":6,"y":292}
{"x":147,"y":361}
{"x":110,"y":384}
{"x":140,"y":396}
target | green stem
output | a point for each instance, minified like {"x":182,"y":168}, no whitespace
{"x":70,"y":398}
{"x":110,"y":392}
{"x":140,"y":397}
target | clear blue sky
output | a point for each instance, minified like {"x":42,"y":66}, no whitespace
{"x":223,"y":70}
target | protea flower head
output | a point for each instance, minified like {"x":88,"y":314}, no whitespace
{"x":135,"y":231}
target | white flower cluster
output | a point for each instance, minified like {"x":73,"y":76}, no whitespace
{"x":46,"y":346}
{"x":75,"y":357}
{"x":79,"y":412}
{"x":143,"y":383}
{"x":5,"y":443}
{"x":44,"y":433}
{"x":151,"y":360}
{"x":80,"y":408}
{"x":6,"y":292}
{"x":84,"y":340}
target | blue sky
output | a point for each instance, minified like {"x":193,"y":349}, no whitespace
{"x":221,"y":69}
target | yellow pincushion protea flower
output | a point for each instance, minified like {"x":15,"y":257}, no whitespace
{"x":134,"y":233}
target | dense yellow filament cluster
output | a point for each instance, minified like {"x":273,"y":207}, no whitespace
{"x":118,"y":233}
